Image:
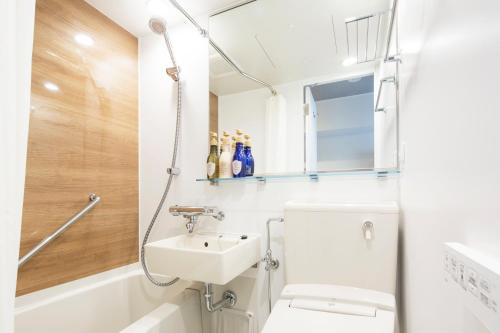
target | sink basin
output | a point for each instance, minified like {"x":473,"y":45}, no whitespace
{"x":207,"y":257}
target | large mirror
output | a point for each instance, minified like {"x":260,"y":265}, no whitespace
{"x":312,"y":102}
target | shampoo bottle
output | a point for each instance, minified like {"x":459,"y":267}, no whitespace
{"x":225,"y":170}
{"x":213,"y":158}
{"x":233,"y":145}
{"x":250,"y":164}
{"x":224,"y":135}
{"x":239,"y":159}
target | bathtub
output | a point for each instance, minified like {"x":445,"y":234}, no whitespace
{"x":120,"y":300}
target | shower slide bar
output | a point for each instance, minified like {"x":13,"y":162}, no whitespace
{"x":224,"y":56}
{"x":93,"y":200}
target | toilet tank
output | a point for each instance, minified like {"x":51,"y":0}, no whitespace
{"x":330,"y":243}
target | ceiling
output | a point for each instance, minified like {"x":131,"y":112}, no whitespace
{"x":282,"y":41}
{"x":133,"y":15}
{"x":344,"y":88}
{"x":276,"y":41}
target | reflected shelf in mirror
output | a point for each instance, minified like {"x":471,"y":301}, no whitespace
{"x":306,"y":176}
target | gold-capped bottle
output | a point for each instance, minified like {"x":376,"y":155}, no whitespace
{"x":224,"y":135}
{"x":247,"y":150}
{"x":225,"y":170}
{"x":239,"y":158}
{"x":233,"y":144}
{"x":213,"y":158}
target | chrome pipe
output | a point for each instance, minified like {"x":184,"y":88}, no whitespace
{"x":228,"y":299}
{"x":271,"y":263}
{"x":231,"y":7}
{"x":204,"y":33}
{"x":268,"y":222}
{"x":94,"y":200}
{"x":239,"y":70}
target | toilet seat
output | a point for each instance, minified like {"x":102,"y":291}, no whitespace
{"x":316,"y":308}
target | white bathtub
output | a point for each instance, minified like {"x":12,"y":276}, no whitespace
{"x":113,"y":301}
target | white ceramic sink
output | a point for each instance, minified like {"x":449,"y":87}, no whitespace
{"x":207,"y":257}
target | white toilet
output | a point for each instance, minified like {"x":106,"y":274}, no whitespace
{"x":340,"y":269}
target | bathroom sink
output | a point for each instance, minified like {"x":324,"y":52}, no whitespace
{"x":207,"y":257}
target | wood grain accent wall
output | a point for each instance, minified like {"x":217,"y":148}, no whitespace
{"x":82,"y":139}
{"x":213,"y":125}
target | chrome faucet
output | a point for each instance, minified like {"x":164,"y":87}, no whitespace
{"x":192,"y":213}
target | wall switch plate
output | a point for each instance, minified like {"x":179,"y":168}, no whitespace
{"x":476,"y":276}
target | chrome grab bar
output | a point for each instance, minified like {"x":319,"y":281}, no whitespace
{"x":94,"y":200}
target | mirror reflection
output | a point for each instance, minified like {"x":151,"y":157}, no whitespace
{"x":300,"y":81}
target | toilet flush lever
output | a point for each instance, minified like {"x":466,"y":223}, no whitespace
{"x":368,"y":230}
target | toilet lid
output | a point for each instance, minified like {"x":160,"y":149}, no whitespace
{"x":305,"y":308}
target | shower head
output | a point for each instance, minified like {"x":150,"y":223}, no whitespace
{"x":158,"y":25}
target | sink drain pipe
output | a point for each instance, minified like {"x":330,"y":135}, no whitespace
{"x":228,"y":299}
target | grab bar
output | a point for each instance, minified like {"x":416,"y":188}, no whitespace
{"x":93,"y":198}
{"x":389,"y":79}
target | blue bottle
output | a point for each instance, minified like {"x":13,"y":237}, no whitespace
{"x":239,"y":160}
{"x":250,"y":164}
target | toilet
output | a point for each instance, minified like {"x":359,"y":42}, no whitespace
{"x":340,"y":269}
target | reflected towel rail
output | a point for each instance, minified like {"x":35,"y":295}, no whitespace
{"x":389,"y":79}
{"x":94,"y":200}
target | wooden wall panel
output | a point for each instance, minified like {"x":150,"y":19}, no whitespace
{"x":82,"y":139}
{"x":214,"y":113}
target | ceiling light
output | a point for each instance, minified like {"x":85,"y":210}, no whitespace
{"x":51,"y":86}
{"x":349,"y":61}
{"x":84,"y":40}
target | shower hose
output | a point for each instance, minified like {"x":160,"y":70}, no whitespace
{"x":164,"y":196}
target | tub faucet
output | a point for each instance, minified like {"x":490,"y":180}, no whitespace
{"x":192,"y":214}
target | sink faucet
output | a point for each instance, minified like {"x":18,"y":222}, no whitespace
{"x":192,"y":213}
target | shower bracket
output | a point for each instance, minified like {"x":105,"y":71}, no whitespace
{"x":173,"y":171}
{"x":173,"y":72}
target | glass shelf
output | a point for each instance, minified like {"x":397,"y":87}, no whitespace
{"x":312,"y":176}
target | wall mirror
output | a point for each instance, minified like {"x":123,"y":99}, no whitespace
{"x":307,"y":81}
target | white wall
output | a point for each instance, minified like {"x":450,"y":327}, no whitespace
{"x":345,"y":132}
{"x":450,"y":116}
{"x":16,"y":38}
{"x":247,"y":206}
